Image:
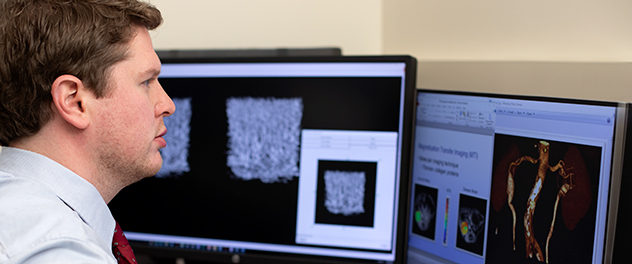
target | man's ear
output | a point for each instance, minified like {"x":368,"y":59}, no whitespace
{"x":69,"y":98}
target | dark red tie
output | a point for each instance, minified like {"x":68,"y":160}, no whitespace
{"x":120,"y":247}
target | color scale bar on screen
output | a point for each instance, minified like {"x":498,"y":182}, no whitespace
{"x":445,"y":221}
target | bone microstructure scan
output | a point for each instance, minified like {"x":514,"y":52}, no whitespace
{"x":346,"y":193}
{"x":263,"y":138}
{"x":543,"y":200}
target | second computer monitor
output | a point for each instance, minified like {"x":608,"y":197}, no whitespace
{"x":513,"y":179}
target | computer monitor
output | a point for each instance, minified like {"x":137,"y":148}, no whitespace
{"x":279,"y":160}
{"x":514,"y":179}
{"x":622,"y":242}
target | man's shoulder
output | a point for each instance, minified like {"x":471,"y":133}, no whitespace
{"x":28,"y":201}
{"x":30,"y":215}
{"x":21,"y":195}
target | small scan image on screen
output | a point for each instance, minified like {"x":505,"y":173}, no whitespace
{"x":471,"y":225}
{"x":425,"y":211}
{"x":346,"y":193}
{"x":548,"y":190}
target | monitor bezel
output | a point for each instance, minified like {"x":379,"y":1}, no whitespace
{"x":405,"y":166}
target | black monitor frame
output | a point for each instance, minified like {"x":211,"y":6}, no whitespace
{"x":249,"y":256}
{"x":621,"y":242}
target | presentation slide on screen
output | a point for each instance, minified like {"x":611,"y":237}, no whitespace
{"x":507,"y":181}
{"x":451,"y":188}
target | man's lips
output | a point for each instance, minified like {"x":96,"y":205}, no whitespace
{"x":163,"y":133}
{"x":161,"y":141}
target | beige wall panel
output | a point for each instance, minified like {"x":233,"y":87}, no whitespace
{"x":568,"y":48}
{"x":581,"y":80}
{"x":355,"y":26}
{"x":491,"y":30}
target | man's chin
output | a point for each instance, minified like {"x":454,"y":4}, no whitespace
{"x":155,"y":169}
{"x":147,"y":174}
{"x":151,"y":170}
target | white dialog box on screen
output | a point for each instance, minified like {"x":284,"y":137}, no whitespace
{"x":346,"y":194}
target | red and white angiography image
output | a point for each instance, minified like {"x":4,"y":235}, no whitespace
{"x":543,"y":199}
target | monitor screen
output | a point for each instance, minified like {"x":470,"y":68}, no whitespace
{"x":279,"y":159}
{"x":513,"y":179}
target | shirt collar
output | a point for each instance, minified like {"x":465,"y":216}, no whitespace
{"x":80,"y":195}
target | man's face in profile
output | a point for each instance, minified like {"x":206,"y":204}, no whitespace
{"x":130,"y":117}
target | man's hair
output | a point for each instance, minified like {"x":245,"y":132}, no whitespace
{"x":41,"y":40}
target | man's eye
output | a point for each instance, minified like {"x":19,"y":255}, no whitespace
{"x":146,"y":83}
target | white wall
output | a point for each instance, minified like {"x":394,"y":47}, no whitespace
{"x":353,"y":25}
{"x":490,"y":30}
{"x":565,"y":48}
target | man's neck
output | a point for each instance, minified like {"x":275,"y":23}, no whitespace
{"x":68,"y":149}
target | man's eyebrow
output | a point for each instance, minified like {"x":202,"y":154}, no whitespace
{"x":151,"y":72}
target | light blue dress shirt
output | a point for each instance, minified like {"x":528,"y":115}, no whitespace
{"x":48,"y":214}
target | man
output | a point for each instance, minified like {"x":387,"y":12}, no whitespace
{"x":81,"y":117}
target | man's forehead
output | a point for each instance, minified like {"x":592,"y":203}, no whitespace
{"x":141,"y":55}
